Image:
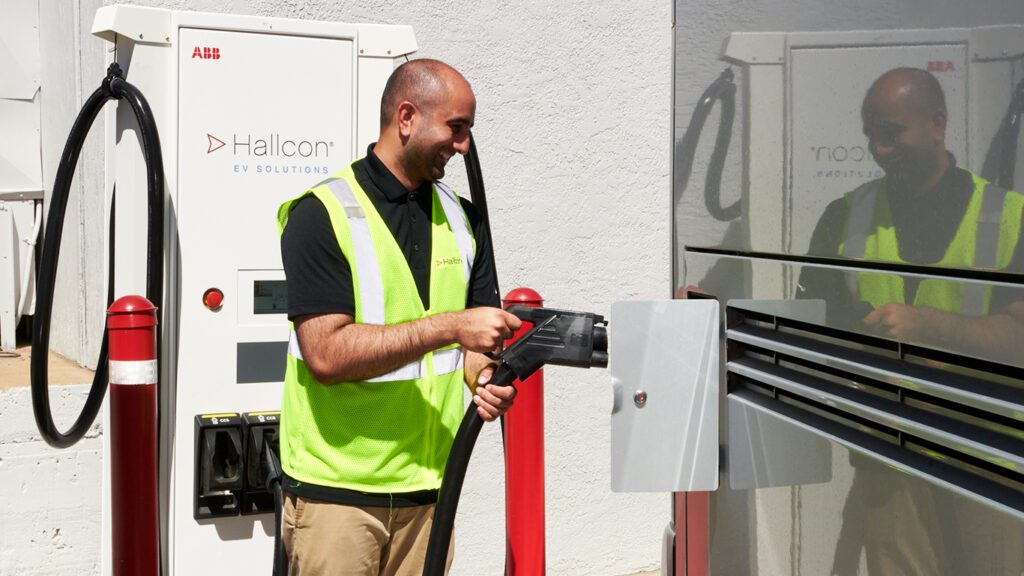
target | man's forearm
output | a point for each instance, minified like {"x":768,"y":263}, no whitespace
{"x":994,"y":336}
{"x":352,"y":352}
{"x":336,"y":349}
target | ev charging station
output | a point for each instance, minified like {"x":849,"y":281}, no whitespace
{"x":251,"y":111}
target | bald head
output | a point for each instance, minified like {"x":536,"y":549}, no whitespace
{"x":904,"y":115}
{"x":911,"y":88}
{"x":426,"y":113}
{"x":423,"y":82}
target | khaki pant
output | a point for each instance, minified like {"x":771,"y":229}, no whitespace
{"x":325,"y":539}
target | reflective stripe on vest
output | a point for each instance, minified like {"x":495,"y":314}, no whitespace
{"x":371,"y":285}
{"x":861,"y":225}
{"x":463,"y":237}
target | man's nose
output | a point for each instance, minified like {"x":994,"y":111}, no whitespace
{"x":461,"y":145}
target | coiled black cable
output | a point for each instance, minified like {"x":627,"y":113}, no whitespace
{"x":113,"y":87}
{"x":1008,"y":164}
{"x":722,"y":90}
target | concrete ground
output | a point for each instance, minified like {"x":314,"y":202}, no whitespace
{"x":14,"y":369}
{"x":60,"y":540}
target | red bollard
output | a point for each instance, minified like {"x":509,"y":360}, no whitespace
{"x":524,"y":464}
{"x":131,"y":325}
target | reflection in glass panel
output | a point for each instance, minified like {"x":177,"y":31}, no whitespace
{"x":867,"y":193}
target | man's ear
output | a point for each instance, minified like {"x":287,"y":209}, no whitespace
{"x":406,"y":117}
{"x":939,"y":118}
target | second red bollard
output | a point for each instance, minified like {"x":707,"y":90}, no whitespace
{"x":132,"y":325}
{"x":524,"y":464}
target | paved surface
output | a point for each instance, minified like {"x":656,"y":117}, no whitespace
{"x":14,"y":369}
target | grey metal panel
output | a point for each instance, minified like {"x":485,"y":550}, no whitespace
{"x":946,"y":385}
{"x":881,"y":504}
{"x":261,"y":362}
{"x":828,"y":284}
{"x":666,"y":350}
{"x":992,"y":447}
{"x":767,"y":451}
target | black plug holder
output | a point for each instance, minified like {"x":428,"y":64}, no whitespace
{"x":261,"y":433}
{"x":218,"y":453}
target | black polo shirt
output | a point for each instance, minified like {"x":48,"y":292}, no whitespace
{"x":320,"y":278}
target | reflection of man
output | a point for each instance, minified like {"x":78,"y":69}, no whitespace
{"x":928,"y":211}
{"x":393,"y":297}
{"x":924,"y":211}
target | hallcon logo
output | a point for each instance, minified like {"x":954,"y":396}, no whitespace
{"x":271,"y":153}
{"x":446,"y":262}
{"x":841,"y":161}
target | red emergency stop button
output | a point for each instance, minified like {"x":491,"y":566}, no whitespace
{"x":213,"y":299}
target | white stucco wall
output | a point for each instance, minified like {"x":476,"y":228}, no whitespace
{"x":50,"y":511}
{"x":573,"y":129}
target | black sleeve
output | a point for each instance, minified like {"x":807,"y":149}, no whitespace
{"x":1003,"y":296}
{"x":816,"y":282}
{"x":319,"y":277}
{"x":483,"y":281}
{"x":828,"y":233}
{"x":829,"y":284}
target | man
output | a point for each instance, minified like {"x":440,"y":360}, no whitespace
{"x":393,"y":299}
{"x":924,"y":211}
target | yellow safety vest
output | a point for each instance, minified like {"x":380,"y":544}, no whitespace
{"x":391,"y":433}
{"x":985,"y":239}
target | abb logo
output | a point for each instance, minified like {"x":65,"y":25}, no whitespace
{"x":206,"y":53}
{"x":940,"y":66}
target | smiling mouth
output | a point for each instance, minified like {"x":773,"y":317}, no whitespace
{"x":890,"y":163}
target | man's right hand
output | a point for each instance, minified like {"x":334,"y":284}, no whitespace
{"x":484,"y":329}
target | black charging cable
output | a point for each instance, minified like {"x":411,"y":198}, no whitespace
{"x":113,"y":87}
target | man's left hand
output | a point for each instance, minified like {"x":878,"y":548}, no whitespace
{"x":491,"y":400}
{"x":908,"y":323}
